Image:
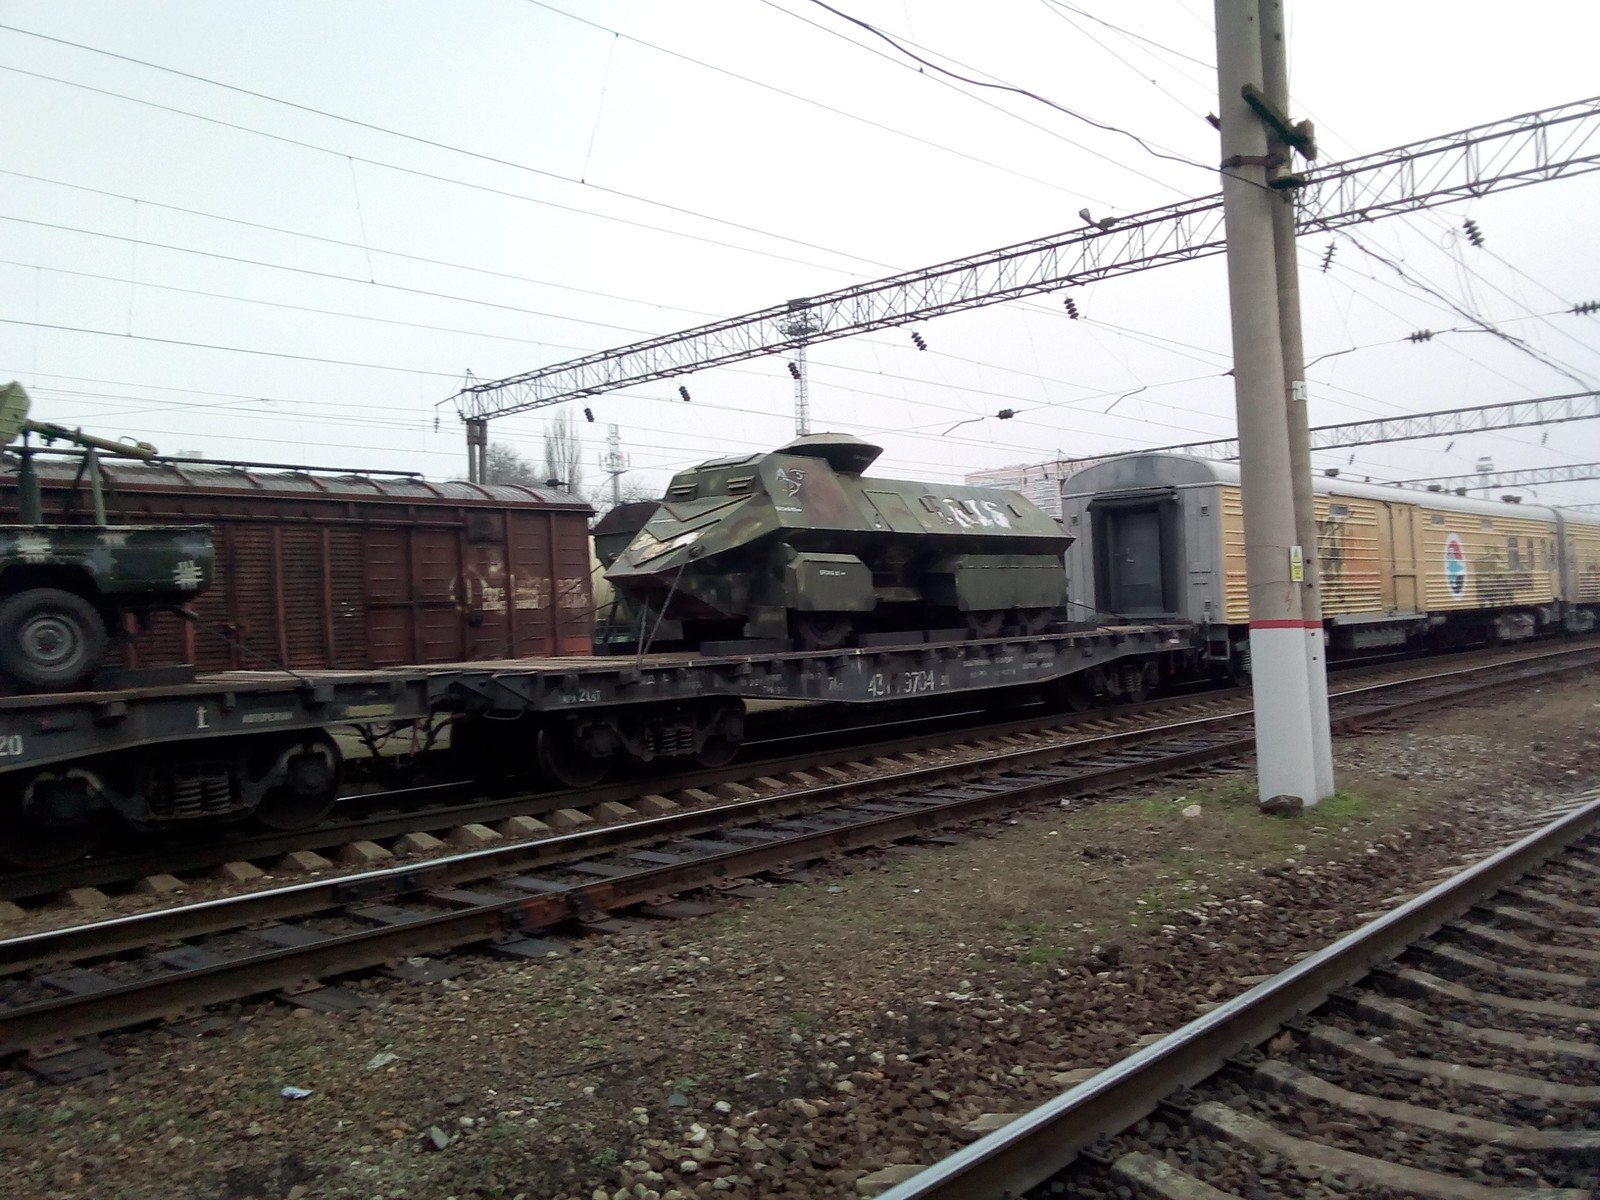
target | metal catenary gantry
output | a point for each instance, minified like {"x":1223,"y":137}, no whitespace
{"x":1551,"y":143}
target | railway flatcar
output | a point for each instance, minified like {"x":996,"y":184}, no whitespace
{"x":347,"y":570}
{"x":1161,"y":536}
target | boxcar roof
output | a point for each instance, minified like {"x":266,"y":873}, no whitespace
{"x":221,"y":477}
{"x":1132,"y":472}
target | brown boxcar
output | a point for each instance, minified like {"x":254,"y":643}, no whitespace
{"x":316,"y":569}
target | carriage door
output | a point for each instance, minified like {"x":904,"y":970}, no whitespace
{"x":1133,"y":562}
{"x":1402,"y":523}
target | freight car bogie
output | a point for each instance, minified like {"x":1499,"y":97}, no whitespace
{"x":58,"y":814}
{"x":48,"y":822}
{"x":580,"y":750}
{"x":302,"y":776}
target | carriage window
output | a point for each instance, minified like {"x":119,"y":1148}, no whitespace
{"x":1512,"y":560}
{"x":1487,"y":523}
{"x":1438,"y":518}
{"x":1338,"y":512}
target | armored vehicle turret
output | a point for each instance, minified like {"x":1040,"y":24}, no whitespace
{"x":799,"y":544}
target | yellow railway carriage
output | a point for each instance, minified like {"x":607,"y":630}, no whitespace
{"x":1162,"y":536}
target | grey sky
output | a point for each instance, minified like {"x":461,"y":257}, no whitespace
{"x":732,"y":154}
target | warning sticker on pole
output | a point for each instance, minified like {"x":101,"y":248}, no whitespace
{"x":1297,"y":564}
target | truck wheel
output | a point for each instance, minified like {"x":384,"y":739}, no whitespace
{"x":50,"y":640}
{"x":822,"y":631}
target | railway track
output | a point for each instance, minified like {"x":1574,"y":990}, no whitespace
{"x":368,"y":828}
{"x":439,"y":809}
{"x":1447,"y":1049}
{"x":517,"y":899}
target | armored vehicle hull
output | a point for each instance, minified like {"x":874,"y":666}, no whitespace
{"x":798,"y":544}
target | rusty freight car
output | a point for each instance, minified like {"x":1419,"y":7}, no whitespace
{"x":317,"y":569}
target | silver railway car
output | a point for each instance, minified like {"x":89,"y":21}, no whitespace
{"x":1162,"y":535}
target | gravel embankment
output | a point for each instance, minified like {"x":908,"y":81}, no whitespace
{"x":787,"y":1045}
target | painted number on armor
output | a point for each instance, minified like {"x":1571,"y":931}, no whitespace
{"x":970,"y":514}
{"x":581,"y":696}
{"x":11,"y":745}
{"x":904,"y":683}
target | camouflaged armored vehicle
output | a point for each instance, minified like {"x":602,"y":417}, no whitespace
{"x":65,"y":589}
{"x":798,"y":544}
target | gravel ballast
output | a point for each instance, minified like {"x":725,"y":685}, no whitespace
{"x":788,"y":1045}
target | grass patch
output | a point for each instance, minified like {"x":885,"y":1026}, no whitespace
{"x":1043,"y":956}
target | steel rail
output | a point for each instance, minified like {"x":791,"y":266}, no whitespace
{"x":234,"y":844}
{"x":229,"y":843}
{"x":1194,"y":743}
{"x":1038,"y":1144}
{"x":163,"y":995}
{"x":211,"y":916}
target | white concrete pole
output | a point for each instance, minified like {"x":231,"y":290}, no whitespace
{"x":1275,"y":76}
{"x":1284,"y":741}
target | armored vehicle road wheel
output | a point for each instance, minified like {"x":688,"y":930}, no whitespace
{"x":822,"y":631}
{"x":1033,"y":621}
{"x":50,"y":640}
{"x":985,"y":624}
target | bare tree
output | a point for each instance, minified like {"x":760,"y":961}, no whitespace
{"x":506,"y":464}
{"x":563,"y":453}
{"x":629,"y":490}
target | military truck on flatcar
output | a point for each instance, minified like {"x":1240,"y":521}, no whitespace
{"x":799,"y":544}
{"x":65,"y":590}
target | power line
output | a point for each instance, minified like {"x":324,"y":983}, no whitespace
{"x":410,"y":137}
{"x":1462,"y":311}
{"x":1128,"y":33}
{"x":1008,"y":87}
{"x":976,"y":99}
{"x":145,"y":337}
{"x":465,"y":183}
{"x":1056,"y":12}
{"x":334,"y":275}
{"x":828,"y":108}
{"x":332,"y":241}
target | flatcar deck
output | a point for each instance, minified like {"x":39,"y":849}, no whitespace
{"x":38,"y":731}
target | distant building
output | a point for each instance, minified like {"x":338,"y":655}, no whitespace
{"x":1039,"y":482}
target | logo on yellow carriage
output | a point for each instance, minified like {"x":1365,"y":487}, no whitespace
{"x":1455,"y":565}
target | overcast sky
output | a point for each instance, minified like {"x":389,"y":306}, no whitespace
{"x":284,"y":230}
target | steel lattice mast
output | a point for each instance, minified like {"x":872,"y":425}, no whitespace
{"x":1552,"y":143}
{"x":1515,"y":414}
{"x":1493,"y":480}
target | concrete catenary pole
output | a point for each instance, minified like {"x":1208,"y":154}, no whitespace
{"x":477,"y":450}
{"x":1275,"y":83}
{"x":1284,"y":740}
